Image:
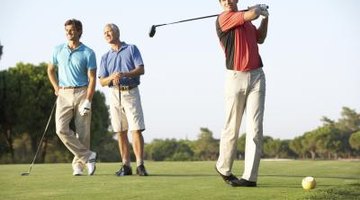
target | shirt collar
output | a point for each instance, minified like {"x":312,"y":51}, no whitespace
{"x":123,"y":46}
{"x":77,"y":48}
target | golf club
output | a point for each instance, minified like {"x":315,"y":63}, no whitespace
{"x":116,"y":136}
{"x":120,"y":108}
{"x":37,"y":151}
{"x":153,"y":27}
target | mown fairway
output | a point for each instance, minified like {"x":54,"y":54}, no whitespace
{"x":182,"y":180}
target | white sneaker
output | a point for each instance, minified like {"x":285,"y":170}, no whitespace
{"x":77,"y":170}
{"x":91,"y":163}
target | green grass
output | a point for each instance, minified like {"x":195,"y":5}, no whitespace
{"x":182,"y":180}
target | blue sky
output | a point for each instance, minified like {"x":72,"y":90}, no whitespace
{"x":310,"y":57}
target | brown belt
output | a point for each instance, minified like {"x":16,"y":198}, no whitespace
{"x":125,"y":88}
{"x":72,"y":87}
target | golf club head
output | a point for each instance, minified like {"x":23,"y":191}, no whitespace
{"x":152,"y":31}
{"x":25,"y":174}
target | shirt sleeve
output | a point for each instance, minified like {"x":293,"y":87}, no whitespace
{"x":103,"y":72}
{"x":229,"y":20}
{"x":53,"y":59}
{"x":137,"y":57}
{"x":92,"y":61}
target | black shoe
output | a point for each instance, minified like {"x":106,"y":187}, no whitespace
{"x":141,"y":171}
{"x":246,"y":183}
{"x":124,"y":171}
{"x":231,"y":179}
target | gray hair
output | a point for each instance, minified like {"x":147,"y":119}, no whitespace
{"x":114,"y":28}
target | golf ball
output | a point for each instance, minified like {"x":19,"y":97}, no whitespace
{"x":308,"y":183}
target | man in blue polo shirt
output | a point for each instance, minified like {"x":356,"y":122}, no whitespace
{"x":74,"y":87}
{"x":120,"y":69}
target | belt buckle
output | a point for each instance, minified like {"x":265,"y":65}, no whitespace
{"x":124,"y":88}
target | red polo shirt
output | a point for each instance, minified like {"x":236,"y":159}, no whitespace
{"x":239,"y":41}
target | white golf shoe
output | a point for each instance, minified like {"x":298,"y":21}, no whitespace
{"x":91,"y":164}
{"x":77,"y":170}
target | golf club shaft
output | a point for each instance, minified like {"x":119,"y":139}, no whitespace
{"x":192,"y":19}
{"x":153,"y":27}
{"x":43,"y":135}
{"x":186,"y":20}
{"x":120,"y":109}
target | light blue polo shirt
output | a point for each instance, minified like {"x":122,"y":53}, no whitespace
{"x":125,"y":60}
{"x":73,"y":65}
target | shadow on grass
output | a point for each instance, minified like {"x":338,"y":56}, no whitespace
{"x":184,"y":175}
{"x":162,"y":175}
{"x":264,"y":185}
{"x":302,"y":176}
{"x":216,"y":175}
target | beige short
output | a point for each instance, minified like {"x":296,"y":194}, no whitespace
{"x":129,"y":114}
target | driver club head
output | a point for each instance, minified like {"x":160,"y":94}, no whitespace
{"x":152,"y":31}
{"x":25,"y":174}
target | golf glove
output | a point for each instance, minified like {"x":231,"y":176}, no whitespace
{"x":85,"y":107}
{"x":262,"y":7}
{"x":264,"y":13}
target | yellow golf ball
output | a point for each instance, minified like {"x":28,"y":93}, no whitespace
{"x":308,"y":183}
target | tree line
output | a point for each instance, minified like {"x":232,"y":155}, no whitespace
{"x":26,"y":99}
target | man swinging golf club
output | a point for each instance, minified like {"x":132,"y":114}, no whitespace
{"x":120,"y":69}
{"x":245,"y":88}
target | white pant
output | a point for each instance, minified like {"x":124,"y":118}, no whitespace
{"x":245,"y":92}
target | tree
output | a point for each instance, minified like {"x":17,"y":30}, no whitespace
{"x":36,"y":101}
{"x":297,"y":146}
{"x":271,"y":147}
{"x":285,"y":150}
{"x":206,"y":147}
{"x":27,"y":102}
{"x":347,"y":125}
{"x":160,"y":150}
{"x":38,"y":98}
{"x":100,"y":121}
{"x":350,"y":121}
{"x":328,"y":141}
{"x":327,"y":121}
{"x":183,"y":151}
{"x":9,"y":100}
{"x":355,"y":140}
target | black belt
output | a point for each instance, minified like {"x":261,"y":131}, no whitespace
{"x":72,"y":87}
{"x":126,"y":88}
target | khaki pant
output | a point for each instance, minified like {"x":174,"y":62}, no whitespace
{"x":67,"y":108}
{"x":129,"y":115}
{"x":245,"y":92}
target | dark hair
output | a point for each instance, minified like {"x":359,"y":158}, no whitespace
{"x":76,"y":23}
